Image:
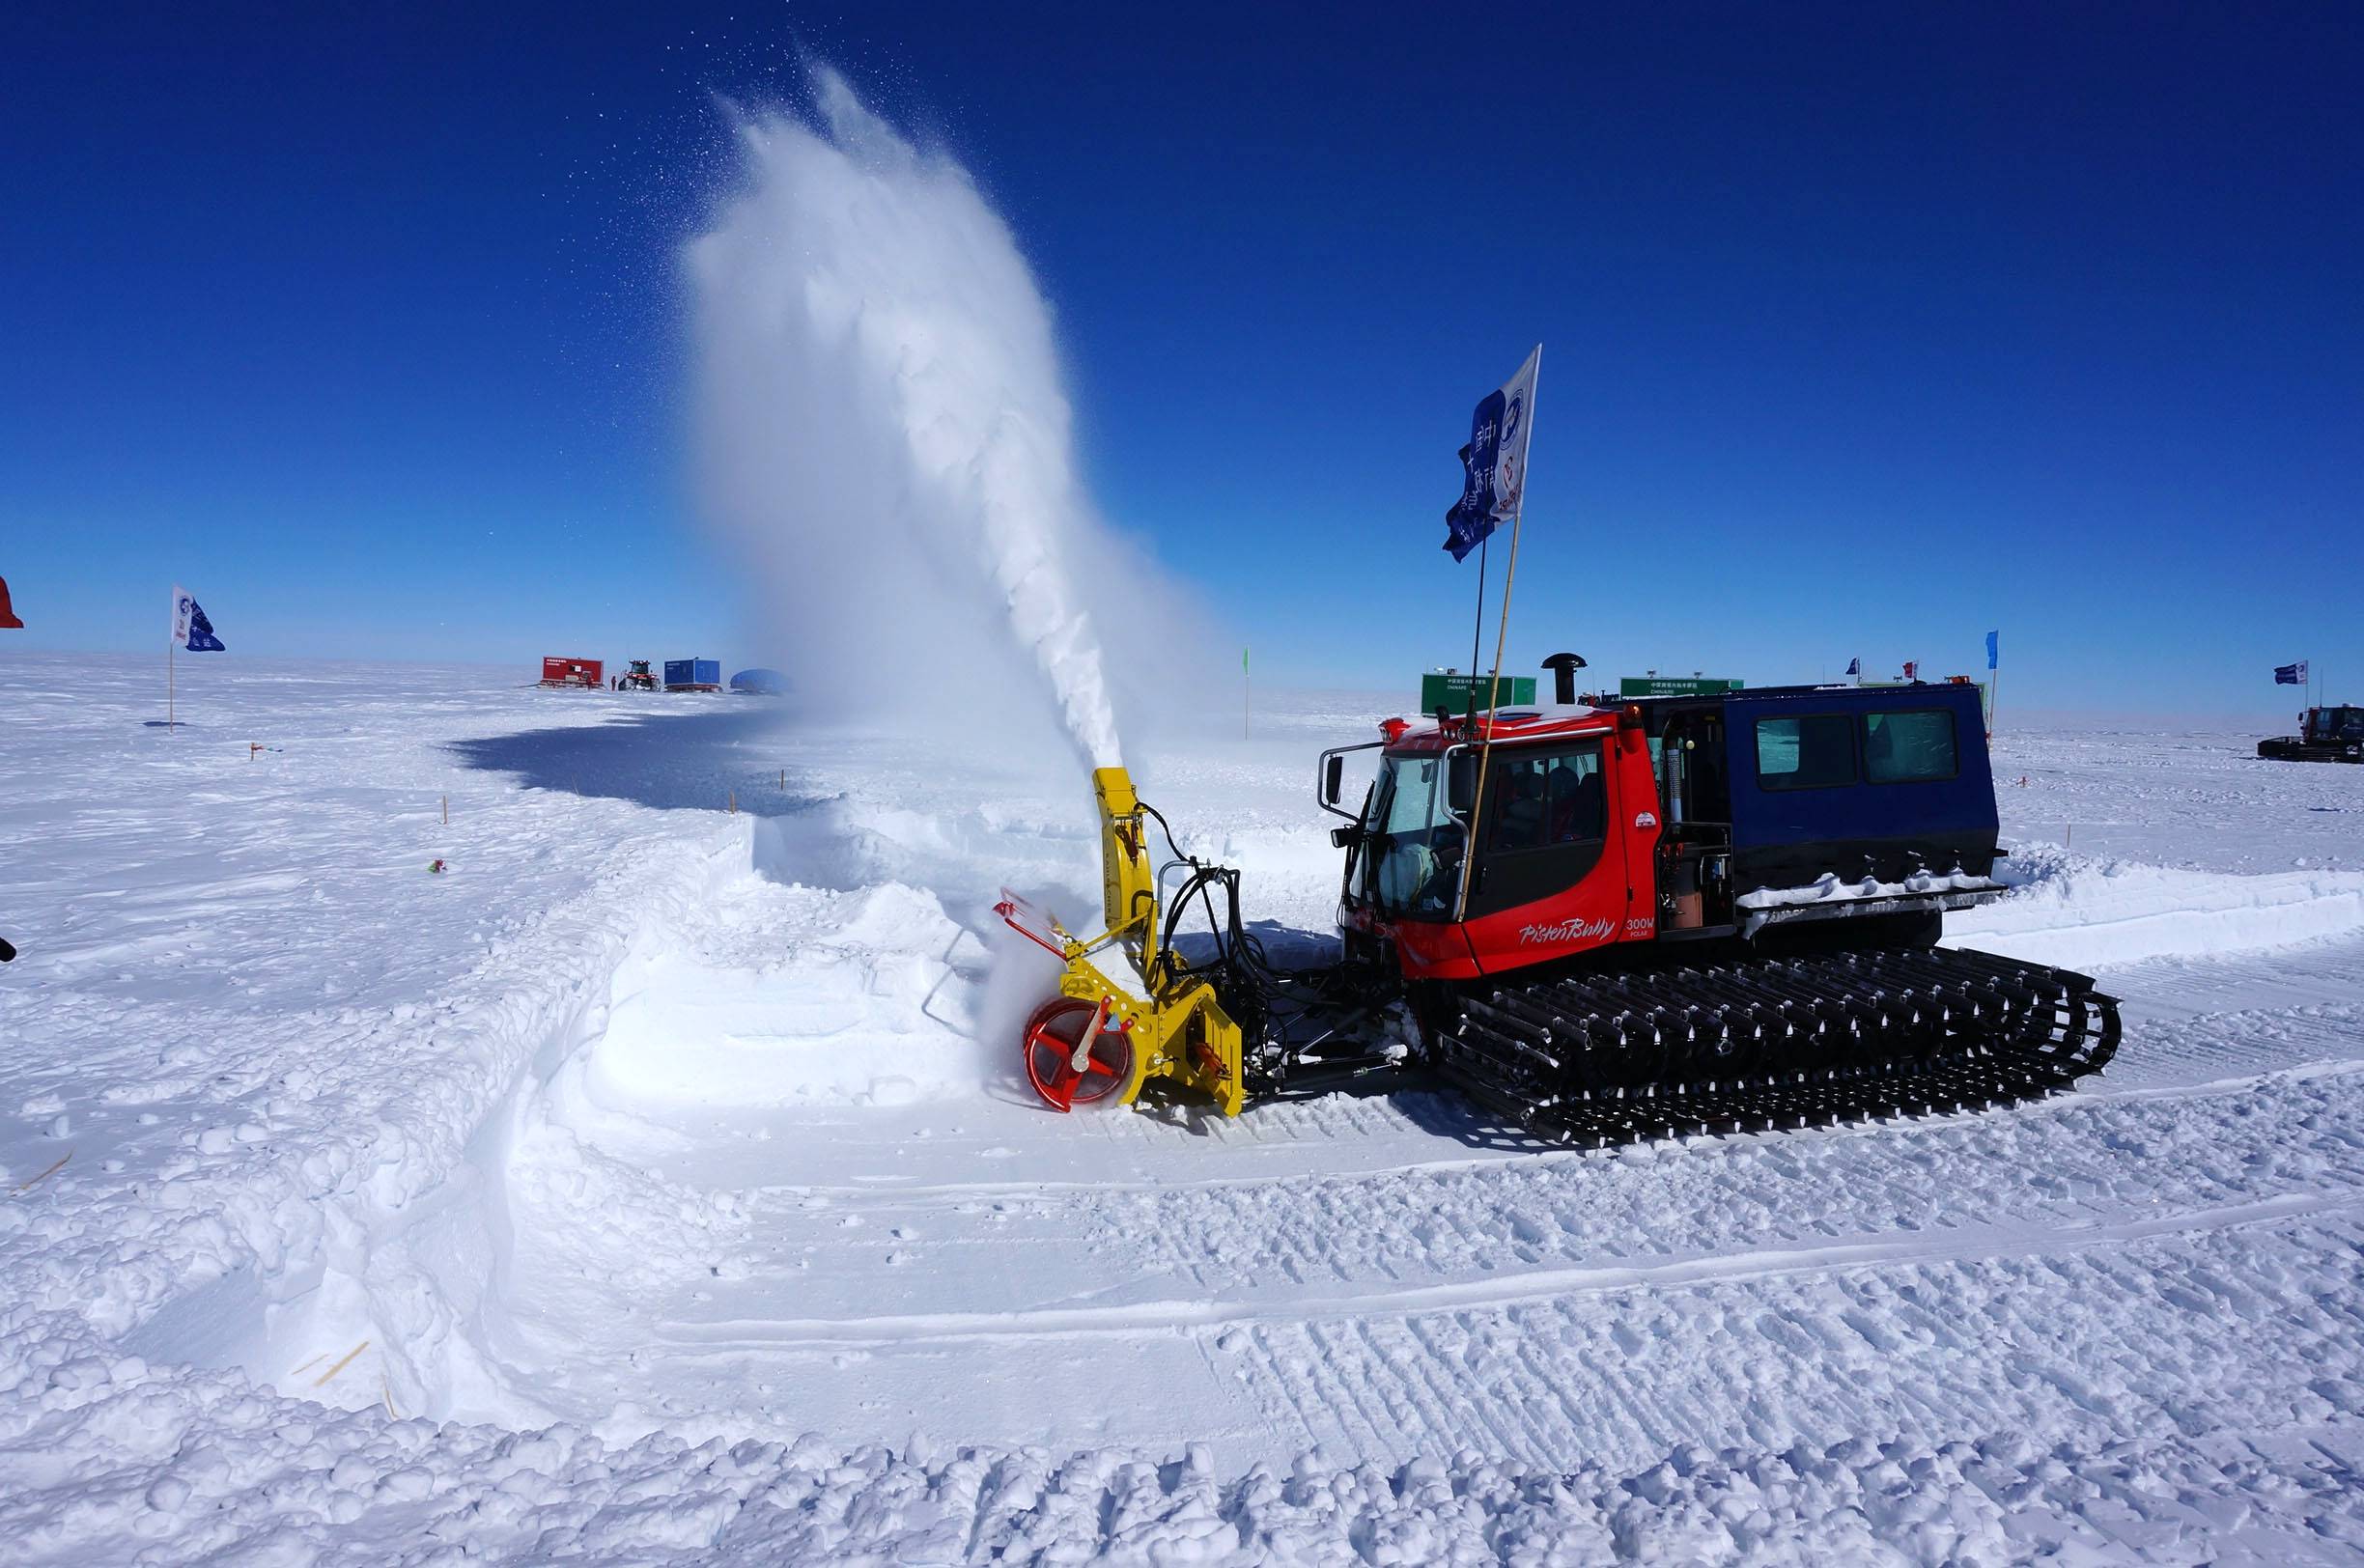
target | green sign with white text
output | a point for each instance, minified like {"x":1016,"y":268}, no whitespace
{"x":1676,"y":685}
{"x":1456,"y":694}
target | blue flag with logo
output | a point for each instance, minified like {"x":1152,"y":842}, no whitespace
{"x":2291,"y":674}
{"x":1854,"y":666}
{"x":1494,"y":464}
{"x":1991,"y":636}
{"x":190,"y":628}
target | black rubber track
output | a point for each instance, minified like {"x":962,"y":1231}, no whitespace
{"x":1775,"y":1042}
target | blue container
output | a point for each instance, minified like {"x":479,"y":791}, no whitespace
{"x":692,"y":672}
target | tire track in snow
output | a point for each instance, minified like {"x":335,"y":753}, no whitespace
{"x":1317,"y":1306}
{"x":2089,"y":1164}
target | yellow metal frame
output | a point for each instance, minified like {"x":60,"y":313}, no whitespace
{"x":1180,"y":1032}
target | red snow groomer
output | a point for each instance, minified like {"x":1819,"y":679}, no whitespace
{"x":1688,"y":913}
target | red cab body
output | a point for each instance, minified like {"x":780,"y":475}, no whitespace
{"x":1579,"y":876}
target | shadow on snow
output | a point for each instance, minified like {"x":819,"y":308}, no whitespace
{"x":673,"y":761}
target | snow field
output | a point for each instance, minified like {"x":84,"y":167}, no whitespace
{"x":657,"y":1183}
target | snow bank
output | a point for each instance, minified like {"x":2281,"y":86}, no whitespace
{"x":2082,"y":913}
{"x":842,"y":1020}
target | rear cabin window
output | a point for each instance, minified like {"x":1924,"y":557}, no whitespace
{"x":1815,"y":751}
{"x":1910,"y":748}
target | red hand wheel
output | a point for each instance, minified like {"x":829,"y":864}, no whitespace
{"x":1063,"y":1073}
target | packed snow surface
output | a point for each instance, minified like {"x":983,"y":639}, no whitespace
{"x":654,"y":1181}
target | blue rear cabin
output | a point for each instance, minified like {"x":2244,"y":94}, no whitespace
{"x":1883,"y":783}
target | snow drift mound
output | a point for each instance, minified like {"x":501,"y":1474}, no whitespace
{"x":2082,"y":913}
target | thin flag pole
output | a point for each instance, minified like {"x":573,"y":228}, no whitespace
{"x":1485,"y":747}
{"x":1502,"y":635}
{"x":1244,"y":693}
{"x":1477,"y":632}
{"x":169,"y":640}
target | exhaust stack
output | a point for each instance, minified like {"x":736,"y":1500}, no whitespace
{"x":1563,"y":668}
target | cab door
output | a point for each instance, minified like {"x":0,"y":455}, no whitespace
{"x":1551,"y":878}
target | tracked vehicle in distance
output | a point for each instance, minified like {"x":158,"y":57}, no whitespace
{"x":2333,"y":734}
{"x":1604,"y":924}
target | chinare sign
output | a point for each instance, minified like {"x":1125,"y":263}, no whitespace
{"x":1676,"y":685}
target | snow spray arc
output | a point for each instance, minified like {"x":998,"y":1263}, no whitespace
{"x":883,"y":425}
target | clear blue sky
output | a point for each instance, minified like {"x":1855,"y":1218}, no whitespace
{"x":1867,"y":328}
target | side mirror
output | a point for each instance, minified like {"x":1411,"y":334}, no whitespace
{"x":1334,"y":773}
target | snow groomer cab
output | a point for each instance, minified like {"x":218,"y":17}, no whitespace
{"x":1795,"y":816}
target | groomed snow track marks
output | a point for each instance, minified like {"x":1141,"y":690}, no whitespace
{"x":1537,"y":1306}
{"x":198,"y":1469}
{"x":2071,"y":1162}
{"x":2085,"y":1334}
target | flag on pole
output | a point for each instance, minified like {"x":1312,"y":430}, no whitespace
{"x":1494,"y":464}
{"x":1912,"y":670}
{"x":1855,"y":666}
{"x":2291,"y":674}
{"x":190,"y":628}
{"x":7,"y":612}
{"x":1992,"y":638}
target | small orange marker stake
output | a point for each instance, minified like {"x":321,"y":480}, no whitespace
{"x":321,"y":1380}
{"x":46,"y":1174}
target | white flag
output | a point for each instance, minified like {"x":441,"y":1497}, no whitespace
{"x":1494,"y":464}
{"x":182,"y":604}
{"x":1517,"y":424}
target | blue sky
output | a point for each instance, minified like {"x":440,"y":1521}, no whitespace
{"x":1866,"y":329}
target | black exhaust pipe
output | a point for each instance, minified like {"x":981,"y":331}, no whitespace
{"x":1563,"y":668}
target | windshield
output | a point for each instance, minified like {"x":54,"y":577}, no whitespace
{"x":1416,"y":846}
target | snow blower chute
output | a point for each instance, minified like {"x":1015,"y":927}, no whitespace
{"x":1698,"y":913}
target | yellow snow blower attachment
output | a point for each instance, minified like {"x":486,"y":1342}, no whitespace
{"x":1107,"y":1035}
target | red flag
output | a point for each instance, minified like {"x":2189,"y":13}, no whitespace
{"x":8,"y":615}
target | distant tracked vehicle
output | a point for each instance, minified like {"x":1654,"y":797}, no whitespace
{"x":2324,"y":735}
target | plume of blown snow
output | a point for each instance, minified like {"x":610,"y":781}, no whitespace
{"x":884,"y":436}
